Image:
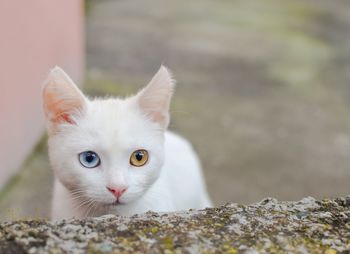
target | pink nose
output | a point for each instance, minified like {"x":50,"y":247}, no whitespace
{"x":117,"y":192}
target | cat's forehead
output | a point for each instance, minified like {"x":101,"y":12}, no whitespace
{"x":113,"y":107}
{"x":113,"y":113}
{"x":115,"y":118}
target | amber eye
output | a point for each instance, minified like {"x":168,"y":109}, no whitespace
{"x":139,"y":158}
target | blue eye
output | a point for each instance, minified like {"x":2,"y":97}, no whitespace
{"x":89,"y":159}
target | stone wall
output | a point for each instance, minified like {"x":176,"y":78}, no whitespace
{"x":306,"y":226}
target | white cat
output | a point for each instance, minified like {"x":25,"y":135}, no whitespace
{"x":115,"y":155}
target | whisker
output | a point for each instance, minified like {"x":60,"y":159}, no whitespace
{"x":84,"y":203}
{"x":90,"y":205}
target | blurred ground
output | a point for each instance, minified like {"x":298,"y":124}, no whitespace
{"x":263,"y":92}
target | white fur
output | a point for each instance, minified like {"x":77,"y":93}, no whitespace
{"x":113,"y":128}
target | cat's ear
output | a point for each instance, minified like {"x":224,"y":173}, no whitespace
{"x":154,"y":99}
{"x":61,"y":98}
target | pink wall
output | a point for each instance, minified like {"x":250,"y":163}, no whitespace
{"x":34,"y":36}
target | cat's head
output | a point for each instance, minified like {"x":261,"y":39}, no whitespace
{"x":106,"y":150}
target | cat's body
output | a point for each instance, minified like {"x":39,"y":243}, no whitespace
{"x":115,"y":155}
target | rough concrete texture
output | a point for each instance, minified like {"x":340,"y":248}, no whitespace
{"x":306,"y":226}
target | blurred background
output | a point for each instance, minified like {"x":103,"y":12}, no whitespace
{"x":263,"y":88}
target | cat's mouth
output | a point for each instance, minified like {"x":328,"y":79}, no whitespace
{"x":115,"y":203}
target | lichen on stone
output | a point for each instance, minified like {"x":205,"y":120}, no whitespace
{"x":270,"y":226}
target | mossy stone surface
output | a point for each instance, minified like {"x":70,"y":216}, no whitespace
{"x":306,"y":226}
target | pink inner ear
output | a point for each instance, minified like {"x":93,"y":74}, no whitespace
{"x":59,"y":110}
{"x":156,"y":108}
{"x":159,"y":118}
{"x":154,"y":99}
{"x":61,"y":98}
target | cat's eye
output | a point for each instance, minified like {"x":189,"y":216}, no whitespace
{"x":89,"y":159}
{"x":139,"y":158}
